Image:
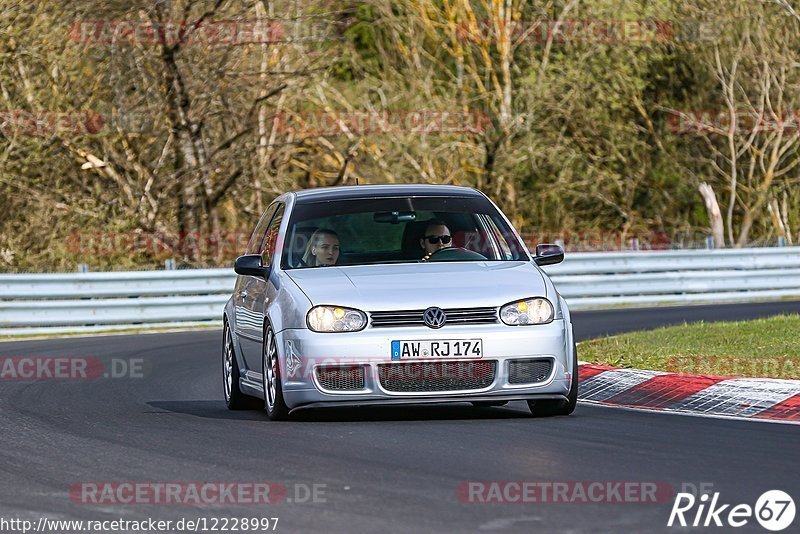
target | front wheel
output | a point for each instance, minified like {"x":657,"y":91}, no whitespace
{"x":545,"y":408}
{"x":271,"y":379}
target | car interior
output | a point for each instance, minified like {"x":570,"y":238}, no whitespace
{"x":464,"y":227}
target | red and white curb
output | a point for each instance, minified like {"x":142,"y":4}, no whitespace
{"x":750,"y":398}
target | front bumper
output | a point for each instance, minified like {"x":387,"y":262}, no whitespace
{"x":303,"y":351}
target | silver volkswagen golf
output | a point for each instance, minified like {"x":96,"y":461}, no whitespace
{"x":395,"y":294}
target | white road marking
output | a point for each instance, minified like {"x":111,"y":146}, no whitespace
{"x":740,"y":396}
{"x":607,"y":384}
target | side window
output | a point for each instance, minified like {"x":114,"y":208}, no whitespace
{"x":477,"y":236}
{"x":511,"y":247}
{"x":268,"y":244}
{"x":501,"y":240}
{"x":254,"y":245}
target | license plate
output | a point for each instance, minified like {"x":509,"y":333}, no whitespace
{"x":442,"y":348}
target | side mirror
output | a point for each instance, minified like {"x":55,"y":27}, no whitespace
{"x":250,"y":265}
{"x":548,"y":254}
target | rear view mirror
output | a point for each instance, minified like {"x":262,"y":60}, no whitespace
{"x":394,"y":217}
{"x":547,"y":254}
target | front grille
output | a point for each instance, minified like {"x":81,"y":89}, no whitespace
{"x":437,"y":376}
{"x":341,"y":378}
{"x":414,"y":317}
{"x":529,"y":371}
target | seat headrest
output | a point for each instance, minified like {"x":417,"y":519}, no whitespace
{"x":412,"y":233}
{"x":299,"y":243}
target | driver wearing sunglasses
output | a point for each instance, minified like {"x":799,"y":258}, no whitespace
{"x":436,"y":237}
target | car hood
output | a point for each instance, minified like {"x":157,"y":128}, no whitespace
{"x":421,"y":285}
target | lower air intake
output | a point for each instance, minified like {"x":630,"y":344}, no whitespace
{"x":529,"y":371}
{"x":341,"y":378}
{"x":437,"y":376}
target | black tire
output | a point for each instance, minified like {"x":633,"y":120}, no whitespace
{"x":489,"y":404}
{"x":271,"y":372}
{"x":234,"y":398}
{"x":546,"y":408}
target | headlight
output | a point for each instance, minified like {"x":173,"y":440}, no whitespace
{"x":528,"y":311}
{"x":335,"y":319}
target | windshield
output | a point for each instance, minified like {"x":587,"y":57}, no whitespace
{"x":398,"y":230}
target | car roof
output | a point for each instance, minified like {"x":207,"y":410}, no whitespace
{"x":324,"y":194}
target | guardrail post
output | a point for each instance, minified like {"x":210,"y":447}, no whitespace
{"x":83,"y":268}
{"x":710,"y":242}
{"x":781,"y":241}
{"x":634,"y":243}
{"x":169,"y":264}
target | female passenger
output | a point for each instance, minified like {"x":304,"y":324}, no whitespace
{"x":322,"y":249}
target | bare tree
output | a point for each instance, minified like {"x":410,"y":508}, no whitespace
{"x":752,"y":140}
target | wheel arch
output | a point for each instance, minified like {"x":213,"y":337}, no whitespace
{"x":269,"y":322}
{"x":229,"y":320}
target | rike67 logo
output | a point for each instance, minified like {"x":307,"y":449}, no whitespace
{"x":774,"y":510}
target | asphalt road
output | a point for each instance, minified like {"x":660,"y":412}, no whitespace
{"x":378,"y":469}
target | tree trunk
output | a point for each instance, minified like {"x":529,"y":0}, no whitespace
{"x":714,"y":215}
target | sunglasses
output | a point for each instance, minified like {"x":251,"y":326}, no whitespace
{"x":433,"y":239}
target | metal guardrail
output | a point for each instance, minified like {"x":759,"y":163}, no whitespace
{"x":609,"y":279}
{"x":84,"y":302}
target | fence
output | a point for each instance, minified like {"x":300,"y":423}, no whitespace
{"x":672,"y":277}
{"x":85,"y":302}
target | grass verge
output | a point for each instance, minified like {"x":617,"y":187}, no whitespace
{"x":758,"y":348}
